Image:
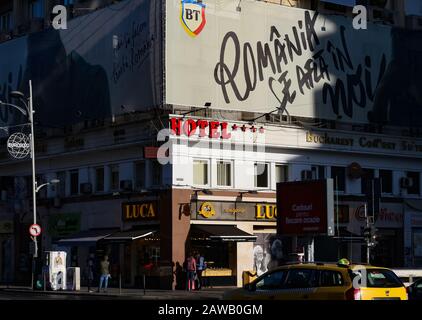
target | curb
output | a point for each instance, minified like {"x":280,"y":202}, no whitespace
{"x":101,"y":294}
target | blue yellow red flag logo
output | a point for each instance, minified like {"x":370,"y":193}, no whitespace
{"x":192,"y":16}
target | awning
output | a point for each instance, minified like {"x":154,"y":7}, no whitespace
{"x":129,"y":235}
{"x":89,"y":237}
{"x":220,"y":233}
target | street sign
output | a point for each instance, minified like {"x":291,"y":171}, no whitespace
{"x":35,"y":230}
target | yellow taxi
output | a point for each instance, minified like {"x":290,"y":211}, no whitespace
{"x":323,"y":281}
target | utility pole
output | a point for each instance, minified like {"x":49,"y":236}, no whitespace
{"x":368,"y":239}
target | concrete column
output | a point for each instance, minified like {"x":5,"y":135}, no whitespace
{"x":174,"y":229}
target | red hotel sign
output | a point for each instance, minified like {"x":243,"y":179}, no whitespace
{"x":305,"y":207}
{"x":189,"y":127}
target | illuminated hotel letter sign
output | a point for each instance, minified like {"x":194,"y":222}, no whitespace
{"x":138,"y":211}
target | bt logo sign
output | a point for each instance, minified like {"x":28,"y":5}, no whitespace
{"x":192,"y":16}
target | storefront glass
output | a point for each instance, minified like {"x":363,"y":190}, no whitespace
{"x":417,"y":246}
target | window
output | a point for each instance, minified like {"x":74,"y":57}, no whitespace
{"x":200,"y":172}
{"x":281,"y":173}
{"x":272,"y":281}
{"x":414,"y":189}
{"x":99,"y":179}
{"x":379,"y":278}
{"x":318,"y":172}
{"x":114,"y":172}
{"x":61,"y":187}
{"x":224,"y":173}
{"x":339,"y":176}
{"x":300,"y":278}
{"x":74,"y":182}
{"x":321,"y":172}
{"x":36,"y":9}
{"x":386,"y":177}
{"x":139,"y":175}
{"x":6,"y":22}
{"x":366,"y":181}
{"x":261,"y":175}
{"x":331,"y":279}
{"x":68,"y":2}
{"x":156,"y":173}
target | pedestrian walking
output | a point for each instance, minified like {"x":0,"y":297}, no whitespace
{"x":90,"y":271}
{"x":200,"y":267}
{"x":191,"y":271}
{"x":105,"y":273}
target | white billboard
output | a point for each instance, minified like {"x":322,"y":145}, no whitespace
{"x":257,"y":56}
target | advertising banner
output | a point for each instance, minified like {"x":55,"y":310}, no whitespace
{"x":63,"y":224}
{"x":259,"y":57}
{"x":106,"y":62}
{"x":305,"y":208}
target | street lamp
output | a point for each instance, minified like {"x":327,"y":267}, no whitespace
{"x":29,"y":111}
{"x":53,"y":181}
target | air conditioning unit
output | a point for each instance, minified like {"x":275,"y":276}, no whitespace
{"x":307,"y":175}
{"x":86,"y":188}
{"x":406,"y":182}
{"x":126,"y":185}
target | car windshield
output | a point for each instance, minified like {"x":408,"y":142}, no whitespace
{"x":377,"y":278}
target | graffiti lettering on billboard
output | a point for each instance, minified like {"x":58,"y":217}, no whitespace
{"x":354,"y":85}
{"x":131,"y":49}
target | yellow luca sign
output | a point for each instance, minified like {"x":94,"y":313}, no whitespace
{"x":265,"y":211}
{"x":139,"y":211}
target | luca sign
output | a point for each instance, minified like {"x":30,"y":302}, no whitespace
{"x":138,"y":211}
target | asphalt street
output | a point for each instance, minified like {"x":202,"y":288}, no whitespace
{"x":112,"y":294}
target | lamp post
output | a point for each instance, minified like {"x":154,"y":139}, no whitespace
{"x":29,"y":111}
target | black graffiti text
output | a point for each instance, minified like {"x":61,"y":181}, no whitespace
{"x":354,"y":84}
{"x":273,"y":55}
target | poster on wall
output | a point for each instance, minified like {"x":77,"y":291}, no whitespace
{"x":298,"y":61}
{"x":106,"y":62}
{"x":268,"y":251}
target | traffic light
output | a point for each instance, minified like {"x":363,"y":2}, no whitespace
{"x":367,"y":233}
{"x":374,"y":236}
{"x":373,"y":196}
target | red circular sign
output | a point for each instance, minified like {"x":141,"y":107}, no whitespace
{"x":35,"y":230}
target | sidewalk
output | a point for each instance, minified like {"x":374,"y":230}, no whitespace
{"x":207,"y":293}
